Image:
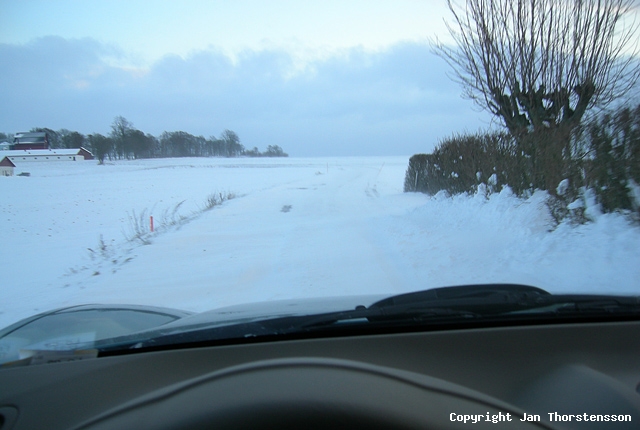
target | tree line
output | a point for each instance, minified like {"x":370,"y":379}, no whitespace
{"x":127,"y":142}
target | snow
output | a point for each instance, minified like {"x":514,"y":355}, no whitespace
{"x":493,"y":180}
{"x":40,"y":152}
{"x":297,"y":227}
{"x":563,"y":186}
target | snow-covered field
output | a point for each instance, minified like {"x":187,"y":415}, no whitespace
{"x":297,"y":227}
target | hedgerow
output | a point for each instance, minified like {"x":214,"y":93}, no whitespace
{"x":602,"y":156}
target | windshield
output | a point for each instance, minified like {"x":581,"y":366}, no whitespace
{"x":206,"y":155}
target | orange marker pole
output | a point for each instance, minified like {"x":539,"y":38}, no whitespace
{"x":151,"y":223}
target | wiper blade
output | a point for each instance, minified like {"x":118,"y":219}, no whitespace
{"x":510,"y":299}
{"x":485,"y":299}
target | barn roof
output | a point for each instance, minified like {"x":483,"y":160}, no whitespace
{"x":6,"y":162}
{"x":23,"y":152}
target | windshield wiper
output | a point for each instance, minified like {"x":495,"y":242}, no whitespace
{"x":483,"y":299}
{"x":435,"y":308}
{"x":512,"y":300}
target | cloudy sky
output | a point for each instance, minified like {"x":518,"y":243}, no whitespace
{"x":329,"y":77}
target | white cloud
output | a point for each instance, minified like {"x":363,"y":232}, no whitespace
{"x":393,"y":101}
{"x":309,"y":30}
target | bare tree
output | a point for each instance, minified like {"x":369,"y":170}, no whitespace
{"x":539,"y":66}
{"x":232,"y":144}
{"x":120,"y":130}
{"x":100,"y":145}
{"x":542,"y":63}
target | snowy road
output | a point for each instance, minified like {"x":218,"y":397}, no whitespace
{"x":297,"y":228}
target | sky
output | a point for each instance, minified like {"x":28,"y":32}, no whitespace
{"x":315,"y":77}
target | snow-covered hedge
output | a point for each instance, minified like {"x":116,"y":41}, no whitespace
{"x":601,"y":158}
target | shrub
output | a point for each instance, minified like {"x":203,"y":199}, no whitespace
{"x":602,"y":155}
{"x":461,"y":163}
{"x":612,"y":162}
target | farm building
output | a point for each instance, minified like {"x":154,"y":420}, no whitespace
{"x":6,"y":167}
{"x":39,"y":140}
{"x":75,"y":154}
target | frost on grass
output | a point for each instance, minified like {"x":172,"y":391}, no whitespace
{"x":173,"y":216}
{"x":103,"y":251}
{"x":216,"y":199}
{"x":110,"y":256}
{"x":139,"y":225}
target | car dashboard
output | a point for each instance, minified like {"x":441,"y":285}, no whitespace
{"x":447,"y":379}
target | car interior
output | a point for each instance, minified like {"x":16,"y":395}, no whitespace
{"x":444,"y":379}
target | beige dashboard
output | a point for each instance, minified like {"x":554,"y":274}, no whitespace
{"x":455,"y":379}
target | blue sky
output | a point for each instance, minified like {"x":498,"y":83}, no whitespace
{"x":315,"y":77}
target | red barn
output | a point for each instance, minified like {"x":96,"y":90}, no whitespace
{"x":39,"y":140}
